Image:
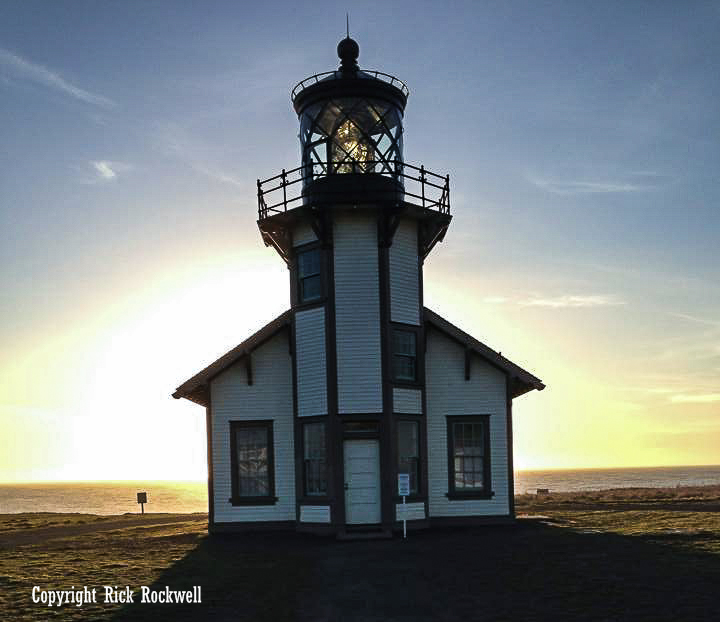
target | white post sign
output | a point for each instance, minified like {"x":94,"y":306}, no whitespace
{"x":404,"y":491}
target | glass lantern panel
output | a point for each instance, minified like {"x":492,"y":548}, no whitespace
{"x":357,"y":135}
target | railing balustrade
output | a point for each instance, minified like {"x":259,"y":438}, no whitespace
{"x":378,"y":75}
{"x":432,"y":191}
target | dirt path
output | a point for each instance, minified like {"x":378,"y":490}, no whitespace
{"x":620,"y":506}
{"x":40,"y":535}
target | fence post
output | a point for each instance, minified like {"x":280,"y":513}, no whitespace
{"x":260,"y":199}
{"x":422,"y":183}
{"x":447,"y":193}
{"x":284,"y":185}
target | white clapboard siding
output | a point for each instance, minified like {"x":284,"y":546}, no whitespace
{"x":310,"y":362}
{"x":448,"y":393}
{"x":268,"y":397}
{"x":357,"y":314}
{"x":314,"y":513}
{"x":303,"y":234}
{"x":404,"y":281}
{"x":408,"y":401}
{"x":410,"y":511}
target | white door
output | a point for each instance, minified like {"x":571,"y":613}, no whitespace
{"x":362,"y":481}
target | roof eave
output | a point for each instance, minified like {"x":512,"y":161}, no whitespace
{"x":196,"y":389}
{"x":520,"y":380}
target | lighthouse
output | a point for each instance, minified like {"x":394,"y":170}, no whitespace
{"x":311,"y":420}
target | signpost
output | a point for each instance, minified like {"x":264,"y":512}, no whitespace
{"x":142,"y":500}
{"x":404,"y":491}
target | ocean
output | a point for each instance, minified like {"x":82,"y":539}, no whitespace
{"x":182,"y":497}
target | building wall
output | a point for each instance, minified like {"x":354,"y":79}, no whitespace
{"x":314,"y":513}
{"x":404,"y":283}
{"x":269,"y":397}
{"x":310,"y":362}
{"x":410,"y":511}
{"x":303,"y":234}
{"x":357,"y":314}
{"x":448,"y":393}
{"x":407,"y":401}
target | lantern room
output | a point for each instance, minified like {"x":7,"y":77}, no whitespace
{"x":350,"y":120}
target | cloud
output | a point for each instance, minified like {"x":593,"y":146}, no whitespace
{"x":172,"y":139}
{"x":218,"y":175}
{"x":570,"y":187}
{"x":102,"y":171}
{"x":495,"y":300}
{"x":694,"y":318}
{"x":704,"y":398}
{"x":571,"y":301}
{"x":42,"y":75}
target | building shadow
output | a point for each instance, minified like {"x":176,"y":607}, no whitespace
{"x":532,"y":571}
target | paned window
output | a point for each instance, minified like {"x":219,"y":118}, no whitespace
{"x":469,"y":455}
{"x":404,"y":355}
{"x":315,"y":459}
{"x":252,"y":462}
{"x":409,"y":452}
{"x":309,"y":275}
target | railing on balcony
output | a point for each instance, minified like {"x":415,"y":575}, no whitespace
{"x":289,"y":189}
{"x":370,"y":73}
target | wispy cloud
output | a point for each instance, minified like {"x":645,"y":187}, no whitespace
{"x":570,"y":301}
{"x":23,"y":68}
{"x":649,"y":390}
{"x":576,"y":186}
{"x":174,"y":140}
{"x":218,"y":175}
{"x":694,"y":318}
{"x":495,"y":300}
{"x":704,"y":398}
{"x":104,"y":169}
{"x":100,"y":171}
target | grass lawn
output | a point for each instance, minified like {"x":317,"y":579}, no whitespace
{"x":592,"y":559}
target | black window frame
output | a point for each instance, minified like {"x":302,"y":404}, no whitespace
{"x":486,"y":491}
{"x":237,"y":499}
{"x":305,"y":459}
{"x":313,"y":247}
{"x":417,"y":493}
{"x":403,"y":380}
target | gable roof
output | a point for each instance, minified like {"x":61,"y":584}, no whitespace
{"x":196,"y":388}
{"x":520,"y":381}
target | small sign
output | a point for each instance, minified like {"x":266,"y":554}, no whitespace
{"x":142,"y":500}
{"x":404,"y":484}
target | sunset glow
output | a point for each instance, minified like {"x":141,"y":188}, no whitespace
{"x":584,"y":241}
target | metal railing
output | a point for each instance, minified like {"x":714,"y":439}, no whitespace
{"x":288,"y":189}
{"x":378,"y":75}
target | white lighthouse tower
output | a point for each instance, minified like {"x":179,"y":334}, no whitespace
{"x":311,"y":420}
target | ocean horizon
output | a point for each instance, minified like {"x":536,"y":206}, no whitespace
{"x":187,"y":496}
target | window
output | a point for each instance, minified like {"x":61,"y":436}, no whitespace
{"x":315,"y":459}
{"x":253,"y":477}
{"x":309,"y":275}
{"x":409,"y":453}
{"x":469,"y":456}
{"x":404,"y":355}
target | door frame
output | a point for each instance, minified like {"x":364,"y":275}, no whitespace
{"x":363,"y":438}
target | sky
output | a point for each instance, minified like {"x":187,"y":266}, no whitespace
{"x":582,"y":143}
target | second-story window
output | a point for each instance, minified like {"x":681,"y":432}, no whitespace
{"x":309,"y":275}
{"x":404,"y":355}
